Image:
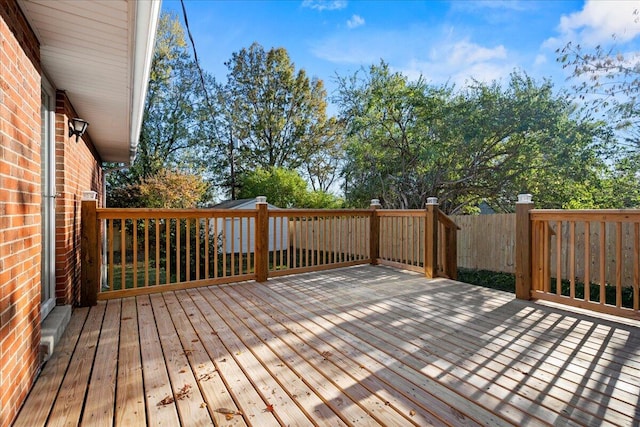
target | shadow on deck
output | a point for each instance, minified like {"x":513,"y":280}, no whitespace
{"x":361,"y":345}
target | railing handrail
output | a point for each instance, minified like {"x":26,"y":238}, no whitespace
{"x":617,"y":215}
{"x":446,"y":220}
{"x":131,"y":213}
{"x":401,"y":212}
{"x":318,"y":212}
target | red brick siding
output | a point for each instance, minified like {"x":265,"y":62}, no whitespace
{"x":19,"y":209}
{"x":77,"y":170}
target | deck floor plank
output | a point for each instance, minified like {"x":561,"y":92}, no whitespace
{"x":388,"y":368}
{"x":221,"y":407}
{"x":220,"y":343}
{"x":70,"y":400}
{"x":278,"y":366}
{"x":100,"y":400}
{"x":154,"y":369}
{"x":365,"y":345}
{"x":43,"y":395}
{"x":235,"y":337}
{"x":130,"y":408}
{"x":387,"y":398}
{"x":191,"y":405}
{"x":556,"y":404}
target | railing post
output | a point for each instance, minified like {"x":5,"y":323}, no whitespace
{"x":431,"y":238}
{"x":523,"y":247}
{"x":374,"y":232}
{"x":452,"y":252}
{"x":90,"y":244}
{"x":262,"y":240}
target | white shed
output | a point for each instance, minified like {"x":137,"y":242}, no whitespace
{"x":245,"y":228}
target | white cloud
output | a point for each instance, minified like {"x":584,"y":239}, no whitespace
{"x":355,"y":21}
{"x":325,"y":4}
{"x":540,"y":60}
{"x":459,"y":62}
{"x":598,"y":21}
{"x":440,"y":55}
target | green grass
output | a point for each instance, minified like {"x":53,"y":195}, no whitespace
{"x":507,"y":282}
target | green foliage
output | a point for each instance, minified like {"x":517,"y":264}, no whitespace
{"x":284,"y":188}
{"x":271,"y":115}
{"x":164,"y":189}
{"x":408,"y":141}
{"x":172,"y":189}
{"x":176,"y":123}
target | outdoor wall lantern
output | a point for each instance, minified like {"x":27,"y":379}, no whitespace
{"x":77,"y":127}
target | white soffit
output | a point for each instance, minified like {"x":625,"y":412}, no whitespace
{"x":100,"y":53}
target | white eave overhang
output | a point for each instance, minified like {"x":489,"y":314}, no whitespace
{"x":100,"y":53}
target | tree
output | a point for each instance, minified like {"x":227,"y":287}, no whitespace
{"x":609,"y":82}
{"x":274,"y":116}
{"x":284,"y":188}
{"x":408,"y":141}
{"x":172,"y":189}
{"x":177,"y":121}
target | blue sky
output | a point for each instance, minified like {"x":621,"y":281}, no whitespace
{"x":444,"y":41}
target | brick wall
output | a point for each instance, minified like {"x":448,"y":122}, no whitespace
{"x":77,"y":170}
{"x":19,"y":209}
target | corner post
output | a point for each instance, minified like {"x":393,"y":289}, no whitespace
{"x":262,"y":240}
{"x":431,"y":238}
{"x":452,"y":252}
{"x":374,"y":232}
{"x":90,"y":244}
{"x":523,"y":247}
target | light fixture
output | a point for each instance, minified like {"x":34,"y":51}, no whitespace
{"x":77,"y":127}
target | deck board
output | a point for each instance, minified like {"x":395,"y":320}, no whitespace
{"x":353,"y":346}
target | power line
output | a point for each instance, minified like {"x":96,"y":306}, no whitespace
{"x":195,"y":56}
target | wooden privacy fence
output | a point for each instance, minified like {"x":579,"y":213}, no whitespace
{"x":584,"y":258}
{"x":128,"y":252}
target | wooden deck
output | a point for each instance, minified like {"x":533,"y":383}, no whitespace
{"x":363,"y":345}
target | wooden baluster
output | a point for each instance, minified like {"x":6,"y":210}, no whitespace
{"x":110,"y":257}
{"x":146,"y":252}
{"x":619,"y":264}
{"x":587,"y":261}
{"x":572,"y":259}
{"x":157,"y":222}
{"x":603,"y":261}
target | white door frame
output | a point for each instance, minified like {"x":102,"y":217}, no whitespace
{"x":48,"y":186}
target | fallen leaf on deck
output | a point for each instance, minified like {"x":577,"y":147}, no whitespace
{"x":182,"y":371}
{"x":184,"y":392}
{"x":228,"y":412}
{"x":206,"y":377}
{"x":269,"y":408}
{"x":195,"y":340}
{"x":412,"y":412}
{"x":166,"y":401}
{"x":326,"y":354}
{"x":203,"y":405}
{"x":126,"y":318}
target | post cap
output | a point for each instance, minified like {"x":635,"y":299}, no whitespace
{"x":375,"y":202}
{"x":89,"y":195}
{"x":432,"y":200}
{"x":524,"y":198}
{"x":261,"y":199}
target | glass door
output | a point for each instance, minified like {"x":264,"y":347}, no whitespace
{"x":48,"y":165}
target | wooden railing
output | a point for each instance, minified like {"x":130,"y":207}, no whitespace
{"x":597,"y":250}
{"x":128,"y":252}
{"x":318,"y":239}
